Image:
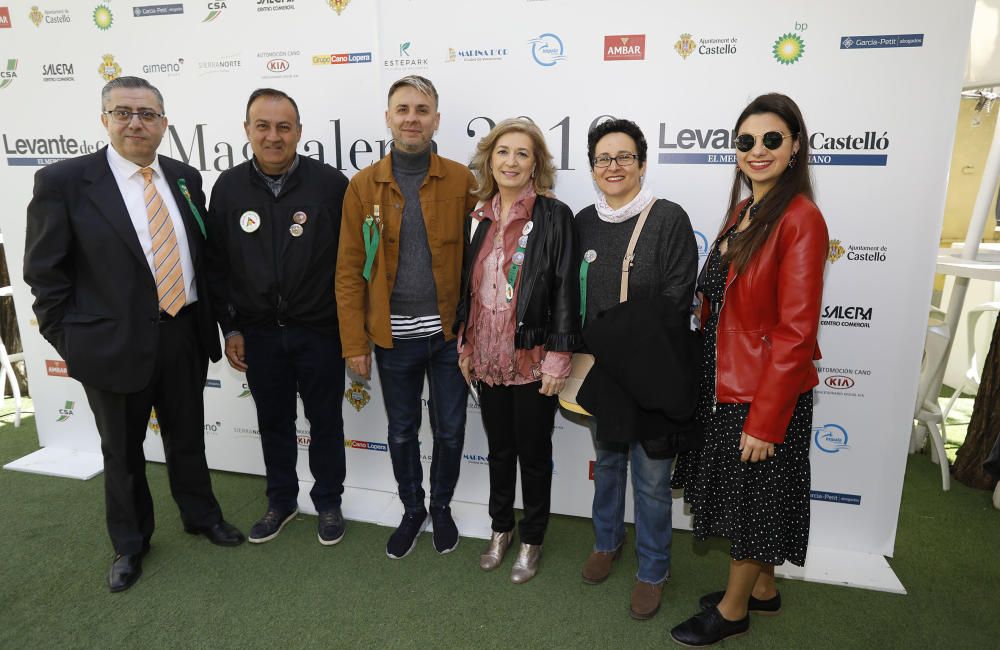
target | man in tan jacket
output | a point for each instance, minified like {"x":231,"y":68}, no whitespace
{"x":399,"y":270}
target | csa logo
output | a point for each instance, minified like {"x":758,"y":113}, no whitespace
{"x":788,"y":48}
{"x":357,"y":396}
{"x":685,"y":46}
{"x":245,"y":393}
{"x":36,"y":16}
{"x":154,"y":424}
{"x":109,"y":68}
{"x":8,"y":75}
{"x":547,"y":50}
{"x":214,"y":9}
{"x":338,"y":5}
{"x":5,"y":18}
{"x":103,"y":19}
{"x":66,"y":412}
{"x":830,"y":438}
{"x":836,"y":250}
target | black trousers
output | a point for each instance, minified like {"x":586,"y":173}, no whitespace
{"x":176,"y":392}
{"x":518,"y":422}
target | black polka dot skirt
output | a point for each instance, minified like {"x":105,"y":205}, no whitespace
{"x":761,"y":508}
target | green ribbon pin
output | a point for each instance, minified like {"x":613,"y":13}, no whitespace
{"x":182,"y":185}
{"x":588,"y":257}
{"x":372,"y":237}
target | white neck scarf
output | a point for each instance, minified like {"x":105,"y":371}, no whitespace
{"x":624,"y":213}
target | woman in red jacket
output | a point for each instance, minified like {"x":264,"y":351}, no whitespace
{"x":761,"y":291}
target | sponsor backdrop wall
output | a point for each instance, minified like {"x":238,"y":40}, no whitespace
{"x":877,"y":82}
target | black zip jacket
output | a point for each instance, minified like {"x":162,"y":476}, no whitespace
{"x":548,"y":300}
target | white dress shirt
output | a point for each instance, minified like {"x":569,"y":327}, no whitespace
{"x":131,"y":185}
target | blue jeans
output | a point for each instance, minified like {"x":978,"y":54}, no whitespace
{"x":283,"y":361}
{"x":401,"y":372}
{"x":653,"y":501}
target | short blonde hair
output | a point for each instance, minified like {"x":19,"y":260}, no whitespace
{"x":545,"y":171}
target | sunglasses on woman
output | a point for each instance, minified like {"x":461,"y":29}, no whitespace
{"x":772,"y":140}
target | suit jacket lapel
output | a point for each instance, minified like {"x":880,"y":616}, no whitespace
{"x":107,"y":198}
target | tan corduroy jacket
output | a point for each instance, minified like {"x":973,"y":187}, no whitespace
{"x":363,"y":307}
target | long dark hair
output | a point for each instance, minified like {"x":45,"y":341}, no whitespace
{"x":792,"y":182}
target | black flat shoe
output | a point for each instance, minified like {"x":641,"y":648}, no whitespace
{"x":769,"y":607}
{"x":222,"y":533}
{"x":125,"y":571}
{"x":708,"y":627}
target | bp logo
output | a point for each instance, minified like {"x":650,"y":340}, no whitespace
{"x":66,"y":412}
{"x":109,"y":68}
{"x":685,"y":46}
{"x":103,"y":19}
{"x":338,"y":5}
{"x":788,"y":49}
{"x":357,"y":396}
{"x":836,"y":250}
{"x":154,"y":424}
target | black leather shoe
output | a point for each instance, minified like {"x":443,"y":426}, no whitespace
{"x":707,"y":627}
{"x":222,"y":533}
{"x":769,"y":607}
{"x":125,"y":571}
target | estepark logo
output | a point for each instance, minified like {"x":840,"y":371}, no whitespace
{"x":342,"y":59}
{"x":54,"y":72}
{"x":275,"y":5}
{"x":687,"y":45}
{"x":830,"y":438}
{"x":215,"y":10}
{"x":66,"y":412}
{"x":476,"y":54}
{"x":406,"y":60}
{"x":871,"y":253}
{"x":631,"y":47}
{"x":49,"y":16}
{"x":846,"y":316}
{"x":5,"y":18}
{"x":38,"y":152}
{"x":547,"y":50}
{"x":158,"y":10}
{"x":881,"y":41}
{"x":103,"y":18}
{"x":9,"y":74}
{"x":366,"y":445}
{"x":56,"y":368}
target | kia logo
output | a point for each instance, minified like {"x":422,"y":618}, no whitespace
{"x":840,"y":382}
{"x":277,"y":65}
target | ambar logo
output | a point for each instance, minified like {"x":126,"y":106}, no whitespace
{"x":56,"y":368}
{"x":631,"y":47}
{"x":5,"y":18}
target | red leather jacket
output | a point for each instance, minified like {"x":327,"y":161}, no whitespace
{"x":769,"y":319}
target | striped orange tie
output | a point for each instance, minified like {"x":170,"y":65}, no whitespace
{"x":166,"y":255}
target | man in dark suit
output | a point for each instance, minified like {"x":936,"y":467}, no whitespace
{"x":113,"y":255}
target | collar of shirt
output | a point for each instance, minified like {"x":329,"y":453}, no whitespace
{"x":127,"y":168}
{"x":275,"y":184}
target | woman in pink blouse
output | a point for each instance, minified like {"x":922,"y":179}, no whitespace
{"x":518,"y":321}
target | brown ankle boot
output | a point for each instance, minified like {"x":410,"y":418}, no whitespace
{"x":597,"y":568}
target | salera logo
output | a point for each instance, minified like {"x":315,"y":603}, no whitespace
{"x":630,"y":47}
{"x":846,"y":316}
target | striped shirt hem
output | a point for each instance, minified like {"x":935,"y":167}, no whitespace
{"x":414,"y":327}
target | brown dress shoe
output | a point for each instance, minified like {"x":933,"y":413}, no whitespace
{"x":645,"y":600}
{"x":597,"y":568}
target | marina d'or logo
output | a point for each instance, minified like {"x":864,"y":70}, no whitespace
{"x":836,"y":250}
{"x":8,"y":74}
{"x":357,"y":396}
{"x":103,"y":18}
{"x":788,"y":49}
{"x":338,"y":5}
{"x":66,"y":412}
{"x":109,"y":68}
{"x":685,"y":46}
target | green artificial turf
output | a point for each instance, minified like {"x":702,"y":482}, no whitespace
{"x":293,"y":592}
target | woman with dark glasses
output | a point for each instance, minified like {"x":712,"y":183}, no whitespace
{"x":638,"y":267}
{"x":760,"y":294}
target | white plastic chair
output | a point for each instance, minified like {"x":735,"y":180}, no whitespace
{"x":7,"y":371}
{"x":926,"y":411}
{"x":978,"y":338}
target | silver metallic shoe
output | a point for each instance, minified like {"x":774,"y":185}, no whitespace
{"x":526,"y":565}
{"x":494,"y":553}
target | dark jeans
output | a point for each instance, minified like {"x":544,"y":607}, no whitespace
{"x":401,"y":372}
{"x":518,"y":422}
{"x":280,"y":362}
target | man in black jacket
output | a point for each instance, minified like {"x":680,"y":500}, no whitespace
{"x":274,"y":225}
{"x":113,"y":255}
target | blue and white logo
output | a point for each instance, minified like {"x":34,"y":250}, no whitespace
{"x":547,"y":50}
{"x":830,"y":438}
{"x":880,"y":41}
{"x":702,"y":241}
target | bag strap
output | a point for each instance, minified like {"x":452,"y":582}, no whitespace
{"x":630,"y":251}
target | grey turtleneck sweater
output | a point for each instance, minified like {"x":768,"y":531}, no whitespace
{"x":414,"y":293}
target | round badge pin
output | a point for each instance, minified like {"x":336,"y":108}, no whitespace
{"x":518,"y":258}
{"x":527,"y":228}
{"x":300,"y":217}
{"x":296,"y":230}
{"x":249,"y":221}
{"x":522,"y":241}
{"x":590,"y":256}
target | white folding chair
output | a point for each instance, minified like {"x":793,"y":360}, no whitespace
{"x":7,"y":371}
{"x":979,"y":326}
{"x":927,"y":412}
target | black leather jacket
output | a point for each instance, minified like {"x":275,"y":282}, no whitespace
{"x":548,"y":301}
